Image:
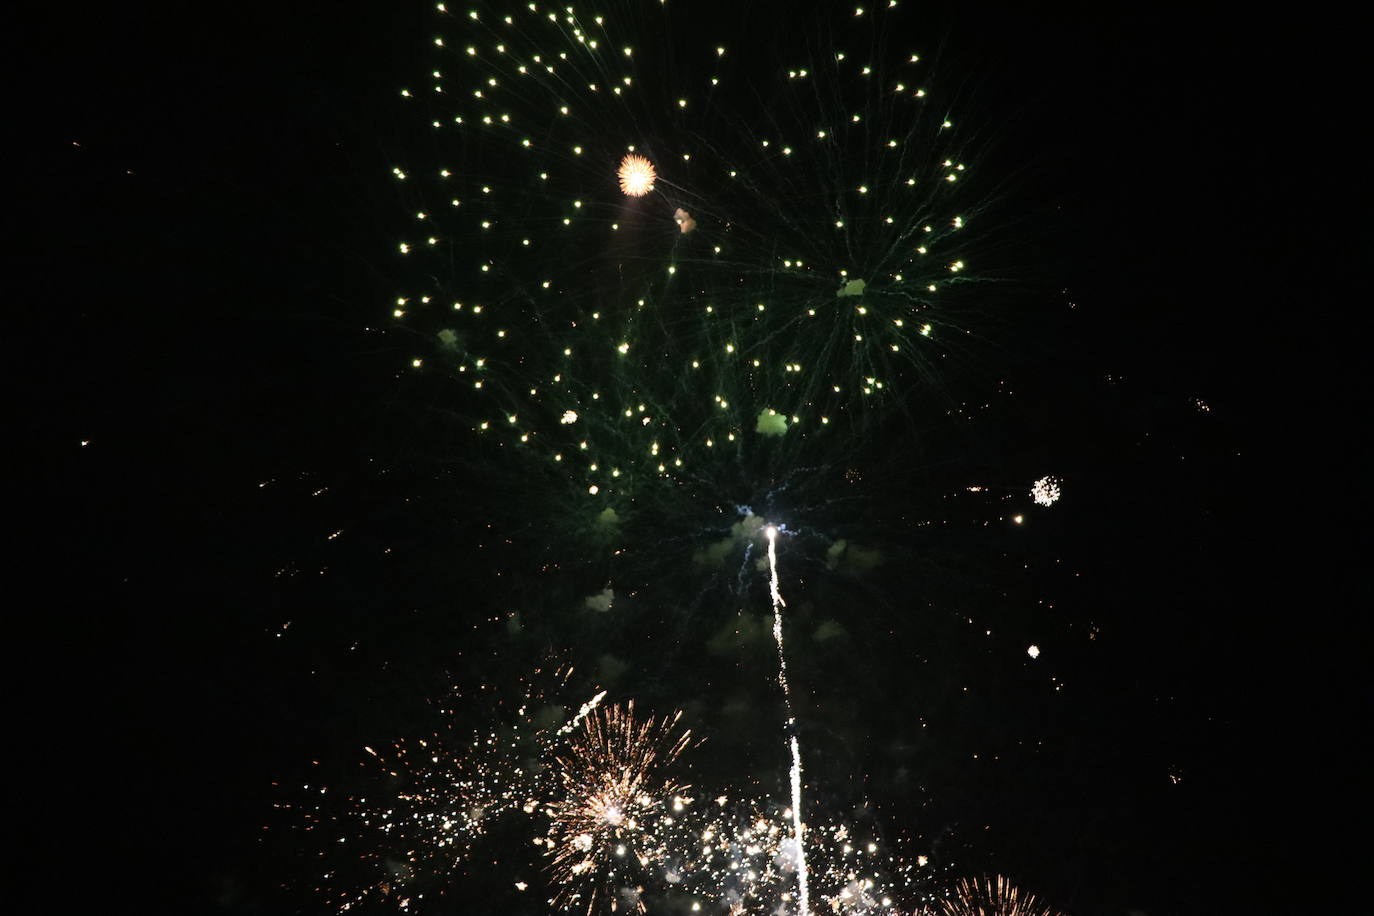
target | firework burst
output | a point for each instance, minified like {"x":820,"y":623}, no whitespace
{"x":636,"y":175}
{"x":615,"y":830}
{"x":430,"y":799}
{"x":995,"y":896}
{"x":801,"y":257}
{"x":611,"y":797}
{"x":1045,"y":491}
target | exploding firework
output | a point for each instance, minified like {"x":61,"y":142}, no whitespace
{"x":596,"y":793}
{"x":636,"y":175}
{"x":610,"y":796}
{"x":1045,"y":491}
{"x":796,"y":266}
{"x":995,"y":896}
{"x":782,"y":262}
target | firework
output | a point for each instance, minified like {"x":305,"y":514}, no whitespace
{"x":614,"y":827}
{"x":636,"y":175}
{"x":1045,"y":491}
{"x":995,"y":896}
{"x":797,"y":259}
{"x":432,"y":798}
{"x":659,"y":269}
{"x":610,"y":795}
{"x":794,"y":775}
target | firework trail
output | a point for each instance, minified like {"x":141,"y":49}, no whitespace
{"x":1045,"y":491}
{"x":797,"y":827}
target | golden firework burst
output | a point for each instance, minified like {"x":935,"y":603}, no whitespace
{"x":636,"y":175}
{"x":611,"y":800}
{"x":994,"y":896}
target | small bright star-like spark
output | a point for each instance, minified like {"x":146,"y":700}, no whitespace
{"x":636,"y":175}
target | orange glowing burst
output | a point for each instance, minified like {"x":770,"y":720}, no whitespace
{"x":636,"y":175}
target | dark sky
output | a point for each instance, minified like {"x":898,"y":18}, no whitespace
{"x":214,"y":228}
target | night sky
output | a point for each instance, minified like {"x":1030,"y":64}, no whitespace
{"x":205,"y":348}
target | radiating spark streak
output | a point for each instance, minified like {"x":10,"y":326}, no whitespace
{"x":778,"y":604}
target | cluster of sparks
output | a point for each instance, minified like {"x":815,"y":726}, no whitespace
{"x":608,"y":795}
{"x":1045,"y":491}
{"x":614,"y":829}
{"x":793,"y":746}
{"x":992,"y":896}
{"x":787,"y":250}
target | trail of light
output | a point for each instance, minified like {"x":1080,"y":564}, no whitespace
{"x":778,"y":605}
{"x":582,"y":713}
